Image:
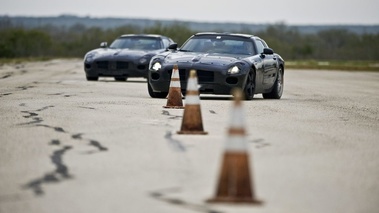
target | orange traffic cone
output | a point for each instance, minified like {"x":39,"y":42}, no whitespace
{"x":192,"y":122}
{"x":174,"y":99}
{"x":234,"y":184}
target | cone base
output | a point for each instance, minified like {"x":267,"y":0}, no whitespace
{"x":192,"y":132}
{"x":174,"y":107}
{"x":234,"y":200}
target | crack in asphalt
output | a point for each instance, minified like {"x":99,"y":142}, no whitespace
{"x":176,"y":144}
{"x":5,"y":76}
{"x":60,"y":173}
{"x":5,"y":94}
{"x":44,"y":108}
{"x":212,"y":111}
{"x":77,"y":136}
{"x":56,"y":158}
{"x":86,"y":107}
{"x":59,"y":93}
{"x":94,"y":143}
{"x":55,"y":142}
{"x":260,"y":143}
{"x":165,"y":112}
{"x":25,"y":87}
{"x":161,"y":195}
{"x":57,"y":129}
{"x":98,"y":145}
{"x":31,"y":114}
{"x":36,"y":120}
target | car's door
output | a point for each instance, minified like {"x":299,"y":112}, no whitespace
{"x":269,"y":64}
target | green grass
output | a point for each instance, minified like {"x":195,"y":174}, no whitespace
{"x":334,"y":65}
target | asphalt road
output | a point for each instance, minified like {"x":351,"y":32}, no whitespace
{"x":68,"y":145}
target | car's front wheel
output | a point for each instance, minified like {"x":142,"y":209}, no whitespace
{"x":91,"y":78}
{"x":155,"y":94}
{"x":277,"y":90}
{"x":249,"y":89}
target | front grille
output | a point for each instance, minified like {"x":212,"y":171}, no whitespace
{"x":205,"y":76}
{"x":102,"y":64}
{"x":113,"y":65}
{"x":183,"y":74}
{"x":122,"y":65}
{"x":141,"y":67}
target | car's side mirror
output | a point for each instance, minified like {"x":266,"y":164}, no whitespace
{"x":268,"y":51}
{"x":173,"y":46}
{"x":104,"y":44}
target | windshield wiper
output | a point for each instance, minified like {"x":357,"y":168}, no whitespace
{"x":185,"y":50}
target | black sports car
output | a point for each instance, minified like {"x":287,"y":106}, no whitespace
{"x":127,"y":56}
{"x":222,"y":61}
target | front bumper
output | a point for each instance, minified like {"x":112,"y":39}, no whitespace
{"x":212,"y":80}
{"x":113,"y":68}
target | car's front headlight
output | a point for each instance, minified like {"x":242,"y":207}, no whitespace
{"x":156,"y":66}
{"x":143,"y":60}
{"x":234,"y":70}
{"x":89,"y":57}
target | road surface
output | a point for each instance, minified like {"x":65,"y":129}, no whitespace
{"x":69,"y":145}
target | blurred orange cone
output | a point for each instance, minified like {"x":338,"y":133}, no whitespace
{"x":174,"y":99}
{"x":234,"y":184}
{"x":192,"y":122}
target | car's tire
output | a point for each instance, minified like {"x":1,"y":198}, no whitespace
{"x":277,"y":89}
{"x":249,"y":89}
{"x":120,"y":78}
{"x":155,"y":94}
{"x":92,"y":78}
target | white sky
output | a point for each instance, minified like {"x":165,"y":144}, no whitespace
{"x":240,"y":11}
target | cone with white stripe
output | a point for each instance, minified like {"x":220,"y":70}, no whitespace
{"x":174,"y":99}
{"x":192,"y":122}
{"x":235,"y":184}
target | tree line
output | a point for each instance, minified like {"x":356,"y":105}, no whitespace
{"x":75,"y":41}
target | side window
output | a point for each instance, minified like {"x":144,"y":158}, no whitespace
{"x":264,"y":43}
{"x":166,"y":42}
{"x":260,"y":46}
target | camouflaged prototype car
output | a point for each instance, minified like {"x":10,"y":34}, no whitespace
{"x":223,"y":61}
{"x":127,"y":56}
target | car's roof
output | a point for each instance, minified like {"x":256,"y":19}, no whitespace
{"x":142,"y":35}
{"x":226,"y":34}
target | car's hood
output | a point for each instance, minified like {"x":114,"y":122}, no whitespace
{"x":125,"y":53}
{"x":203,"y":58}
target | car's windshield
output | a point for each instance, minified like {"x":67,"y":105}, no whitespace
{"x":137,"y":43}
{"x":219,"y":44}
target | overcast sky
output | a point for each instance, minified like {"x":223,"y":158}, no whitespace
{"x":240,"y":11}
